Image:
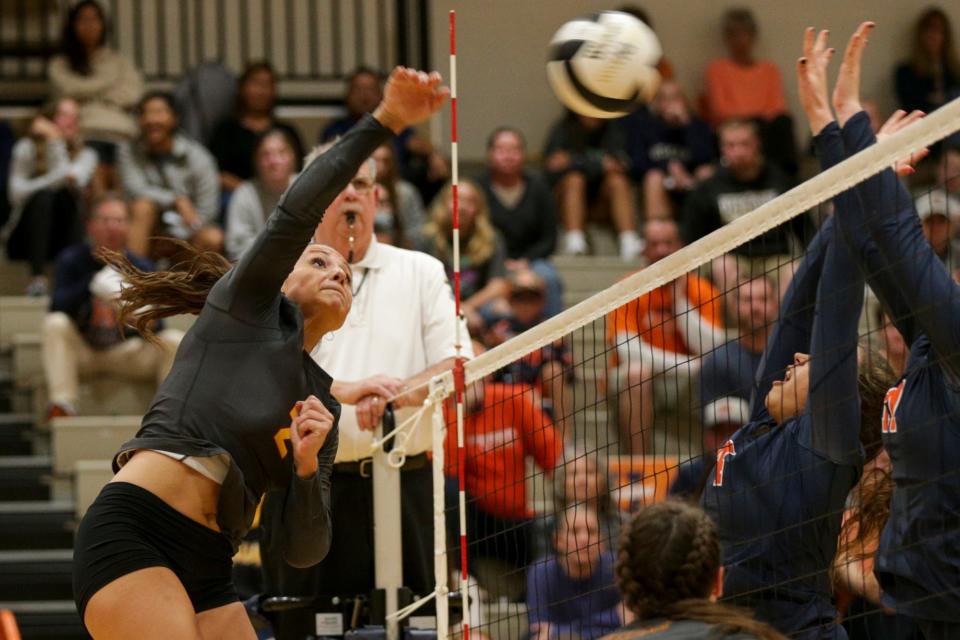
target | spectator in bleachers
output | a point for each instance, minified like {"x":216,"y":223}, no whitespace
{"x":418,"y":161}
{"x":172,"y":180}
{"x":664,"y":67}
{"x":744,"y":181}
{"x":105,"y":83}
{"x":740,"y":87}
{"x":584,"y":479}
{"x":523,"y":210}
{"x":948,"y":171}
{"x":504,"y":426}
{"x":931,"y":77}
{"x":670,"y":572}
{"x":405,"y":204}
{"x":483,"y":274}
{"x":49,"y":173}
{"x":234,"y":141}
{"x":670,"y":148}
{"x":548,"y":369}
{"x":570,"y":593}
{"x":6,"y":153}
{"x":663,"y":331}
{"x":586,"y":162}
{"x":728,"y":370}
{"x":81,"y":335}
{"x":937,"y":210}
{"x":275,"y":159}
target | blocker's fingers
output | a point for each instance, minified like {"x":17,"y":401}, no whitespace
{"x":435,"y":78}
{"x":820,"y":44}
{"x":808,"y":37}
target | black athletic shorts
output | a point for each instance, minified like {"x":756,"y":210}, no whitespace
{"x":127,"y":528}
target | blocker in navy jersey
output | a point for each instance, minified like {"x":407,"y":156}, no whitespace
{"x":777,"y":491}
{"x":918,"y":560}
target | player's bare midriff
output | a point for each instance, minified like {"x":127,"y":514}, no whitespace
{"x":184,"y":489}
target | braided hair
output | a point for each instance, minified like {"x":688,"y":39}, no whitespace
{"x":668,"y":559}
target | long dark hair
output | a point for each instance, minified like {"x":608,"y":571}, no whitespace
{"x":920,"y":60}
{"x":667,"y":562}
{"x":71,"y":47}
{"x":151,"y":296}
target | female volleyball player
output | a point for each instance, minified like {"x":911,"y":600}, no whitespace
{"x":153,"y":554}
{"x":780,"y":483}
{"x":917,"y":563}
{"x":669,"y":573}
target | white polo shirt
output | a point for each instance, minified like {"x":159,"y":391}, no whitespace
{"x":402,"y":321}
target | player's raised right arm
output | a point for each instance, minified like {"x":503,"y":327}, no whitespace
{"x":251,"y":287}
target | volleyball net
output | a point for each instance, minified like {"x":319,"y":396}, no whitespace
{"x":627,"y":397}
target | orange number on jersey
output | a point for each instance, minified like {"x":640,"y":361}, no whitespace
{"x":890,"y":404}
{"x":283,"y":434}
{"x":722,"y":454}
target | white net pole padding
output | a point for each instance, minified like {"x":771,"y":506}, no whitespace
{"x":439,"y":509}
{"x":936,"y":126}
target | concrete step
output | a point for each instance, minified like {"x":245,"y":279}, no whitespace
{"x":89,"y":477}
{"x":34,"y":575}
{"x":20,"y":314}
{"x":24,"y":478}
{"x":47,"y":620}
{"x":89,"y":438}
{"x":15,"y":436}
{"x":36,"y":525}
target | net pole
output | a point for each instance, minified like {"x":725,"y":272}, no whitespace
{"x":458,"y":370}
{"x":439,"y":512}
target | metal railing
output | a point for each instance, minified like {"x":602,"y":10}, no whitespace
{"x":313,"y":44}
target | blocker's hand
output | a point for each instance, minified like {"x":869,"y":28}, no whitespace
{"x":410,"y":97}
{"x":899,"y":120}
{"x":308,"y":432}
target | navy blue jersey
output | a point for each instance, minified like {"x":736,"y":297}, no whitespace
{"x":918,"y":560}
{"x":778,"y":490}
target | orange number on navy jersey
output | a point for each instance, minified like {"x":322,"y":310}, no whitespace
{"x":890,"y":404}
{"x":723,"y":453}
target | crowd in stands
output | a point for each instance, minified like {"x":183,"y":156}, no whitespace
{"x":107,"y":166}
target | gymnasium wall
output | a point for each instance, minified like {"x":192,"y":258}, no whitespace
{"x":502,"y":43}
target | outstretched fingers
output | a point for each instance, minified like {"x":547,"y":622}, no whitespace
{"x":846,"y":95}
{"x":812,"y":78}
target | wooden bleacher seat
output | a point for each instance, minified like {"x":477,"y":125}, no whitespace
{"x":89,"y":476}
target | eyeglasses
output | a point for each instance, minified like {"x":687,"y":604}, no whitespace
{"x":362,"y":185}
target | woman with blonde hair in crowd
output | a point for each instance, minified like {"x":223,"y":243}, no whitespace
{"x":483,"y":254}
{"x":49,"y":171}
{"x":104,"y":82}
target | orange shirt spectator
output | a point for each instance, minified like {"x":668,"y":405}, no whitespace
{"x":503,"y":427}
{"x":653,"y":316}
{"x":743,"y":91}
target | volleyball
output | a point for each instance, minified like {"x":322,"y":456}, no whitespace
{"x":604,"y":64}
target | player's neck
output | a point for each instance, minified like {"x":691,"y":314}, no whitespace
{"x":754,"y":341}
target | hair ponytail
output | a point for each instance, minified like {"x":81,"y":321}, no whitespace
{"x":668,"y":559}
{"x":150,"y":296}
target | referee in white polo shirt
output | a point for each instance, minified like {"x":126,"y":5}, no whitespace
{"x":399,"y":333}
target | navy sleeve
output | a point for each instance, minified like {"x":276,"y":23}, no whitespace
{"x":926,"y":286}
{"x":791,"y":333}
{"x":250,"y":290}
{"x":307,"y":528}
{"x":834,"y":400}
{"x":853,"y":226}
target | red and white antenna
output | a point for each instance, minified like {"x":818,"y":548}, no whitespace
{"x":458,"y":372}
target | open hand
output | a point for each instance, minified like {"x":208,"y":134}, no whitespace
{"x":410,"y":97}
{"x":308,"y":432}
{"x":812,"y":79}
{"x":896,"y":122}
